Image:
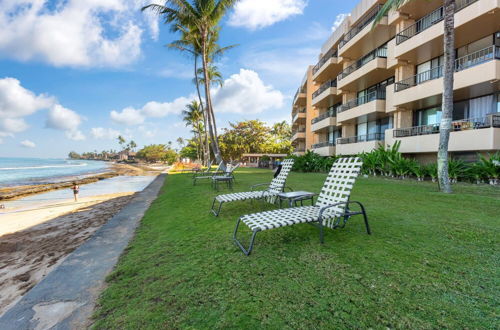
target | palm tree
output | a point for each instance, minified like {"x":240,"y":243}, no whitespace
{"x":202,"y":17}
{"x":193,"y":117}
{"x":121,"y":140}
{"x":448,"y":71}
{"x":132,"y":145}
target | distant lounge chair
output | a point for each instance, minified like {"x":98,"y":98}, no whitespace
{"x":226,"y":176}
{"x":200,"y":171}
{"x":208,"y":174}
{"x":331,"y":209}
{"x":276,"y":186}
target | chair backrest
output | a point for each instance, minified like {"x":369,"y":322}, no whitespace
{"x":278,"y":183}
{"x":339,"y":182}
{"x":209,"y":167}
{"x":230,"y":169}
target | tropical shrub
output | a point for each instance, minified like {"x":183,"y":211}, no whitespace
{"x":312,"y":162}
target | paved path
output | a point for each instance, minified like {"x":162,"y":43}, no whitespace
{"x":65,"y":298}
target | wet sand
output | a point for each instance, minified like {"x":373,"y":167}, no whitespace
{"x":33,"y":242}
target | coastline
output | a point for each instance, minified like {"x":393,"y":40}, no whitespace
{"x":10,"y":193}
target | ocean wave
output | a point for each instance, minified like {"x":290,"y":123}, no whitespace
{"x":42,"y":166}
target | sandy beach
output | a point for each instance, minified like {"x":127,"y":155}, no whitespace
{"x":33,"y":242}
{"x":39,"y":228}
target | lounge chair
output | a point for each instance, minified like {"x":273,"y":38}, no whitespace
{"x":226,"y":176}
{"x":331,"y":209}
{"x":200,"y":171}
{"x":208,"y":174}
{"x":276,"y":186}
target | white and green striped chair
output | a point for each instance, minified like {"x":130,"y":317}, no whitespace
{"x":276,"y":186}
{"x":331,"y":209}
{"x":208,"y":174}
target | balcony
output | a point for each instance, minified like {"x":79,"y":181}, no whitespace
{"x":477,"y":69}
{"x":299,"y":134}
{"x":324,"y":148}
{"x":320,"y":97}
{"x":373,"y":61}
{"x":473,"y":20}
{"x":357,"y":144}
{"x":301,"y":114}
{"x":367,"y":105}
{"x":300,"y":98}
{"x":429,"y":20}
{"x":363,"y":37}
{"x":324,"y":120}
{"x":325,"y":67}
{"x":467,"y":135}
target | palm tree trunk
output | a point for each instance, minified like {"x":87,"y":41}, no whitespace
{"x":447,"y":102}
{"x":206,"y":149}
{"x":211,"y":119}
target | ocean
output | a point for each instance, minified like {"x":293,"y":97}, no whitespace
{"x":19,"y":171}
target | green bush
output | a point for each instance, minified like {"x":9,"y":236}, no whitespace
{"x":312,"y":162}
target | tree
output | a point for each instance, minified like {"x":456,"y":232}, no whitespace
{"x":132,"y":145}
{"x":193,"y":117}
{"x":448,"y":72}
{"x":121,"y":141}
{"x":253,"y":136}
{"x":201,"y":18}
{"x":156,"y":153}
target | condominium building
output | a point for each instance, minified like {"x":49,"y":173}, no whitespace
{"x":384,"y":84}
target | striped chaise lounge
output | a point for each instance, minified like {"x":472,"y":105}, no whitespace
{"x":208,"y":174}
{"x":276,"y":186}
{"x":331,"y":209}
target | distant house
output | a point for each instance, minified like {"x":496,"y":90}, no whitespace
{"x":255,"y":160}
{"x":126,"y":155}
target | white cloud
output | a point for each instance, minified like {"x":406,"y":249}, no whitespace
{"x":246,"y":93}
{"x":131,"y":116}
{"x":17,"y":102}
{"x":256,"y":14}
{"x":66,"y":120}
{"x":28,"y":144}
{"x":128,"y":116}
{"x":104,"y":133}
{"x":73,"y":32}
{"x":338,"y":20}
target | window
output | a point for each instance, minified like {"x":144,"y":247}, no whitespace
{"x":333,"y":135}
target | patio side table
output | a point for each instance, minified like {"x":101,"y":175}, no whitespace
{"x":296,"y":196}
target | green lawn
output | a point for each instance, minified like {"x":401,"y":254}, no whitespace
{"x":432,"y":261}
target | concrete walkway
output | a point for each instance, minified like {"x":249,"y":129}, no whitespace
{"x":65,"y":299}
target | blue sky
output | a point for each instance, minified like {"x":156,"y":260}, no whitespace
{"x":74,"y":74}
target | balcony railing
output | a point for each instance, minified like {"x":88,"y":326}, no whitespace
{"x":379,"y":52}
{"x":330,"y":54}
{"x":323,"y":144}
{"x":462,"y":63}
{"x":299,"y":130}
{"x":429,"y":20}
{"x":328,"y":114}
{"x":299,"y":150}
{"x":379,"y":94}
{"x":362,"y":138}
{"x":325,"y":86}
{"x":369,"y":17}
{"x":457,"y":125}
{"x":296,"y":115}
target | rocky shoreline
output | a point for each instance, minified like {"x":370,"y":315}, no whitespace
{"x":14,"y":192}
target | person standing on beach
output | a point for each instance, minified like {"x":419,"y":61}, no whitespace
{"x":76,"y":190}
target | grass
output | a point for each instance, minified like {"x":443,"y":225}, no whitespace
{"x":431,"y":262}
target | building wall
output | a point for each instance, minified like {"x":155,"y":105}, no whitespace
{"x":479,"y":75}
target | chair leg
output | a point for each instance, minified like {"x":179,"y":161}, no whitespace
{"x":368,"y":231}
{"x":216,"y":213}
{"x":321,"y":234}
{"x":238,"y":243}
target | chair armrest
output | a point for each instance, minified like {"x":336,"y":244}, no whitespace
{"x":257,"y":185}
{"x":286,"y":187}
{"x":324,"y":208}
